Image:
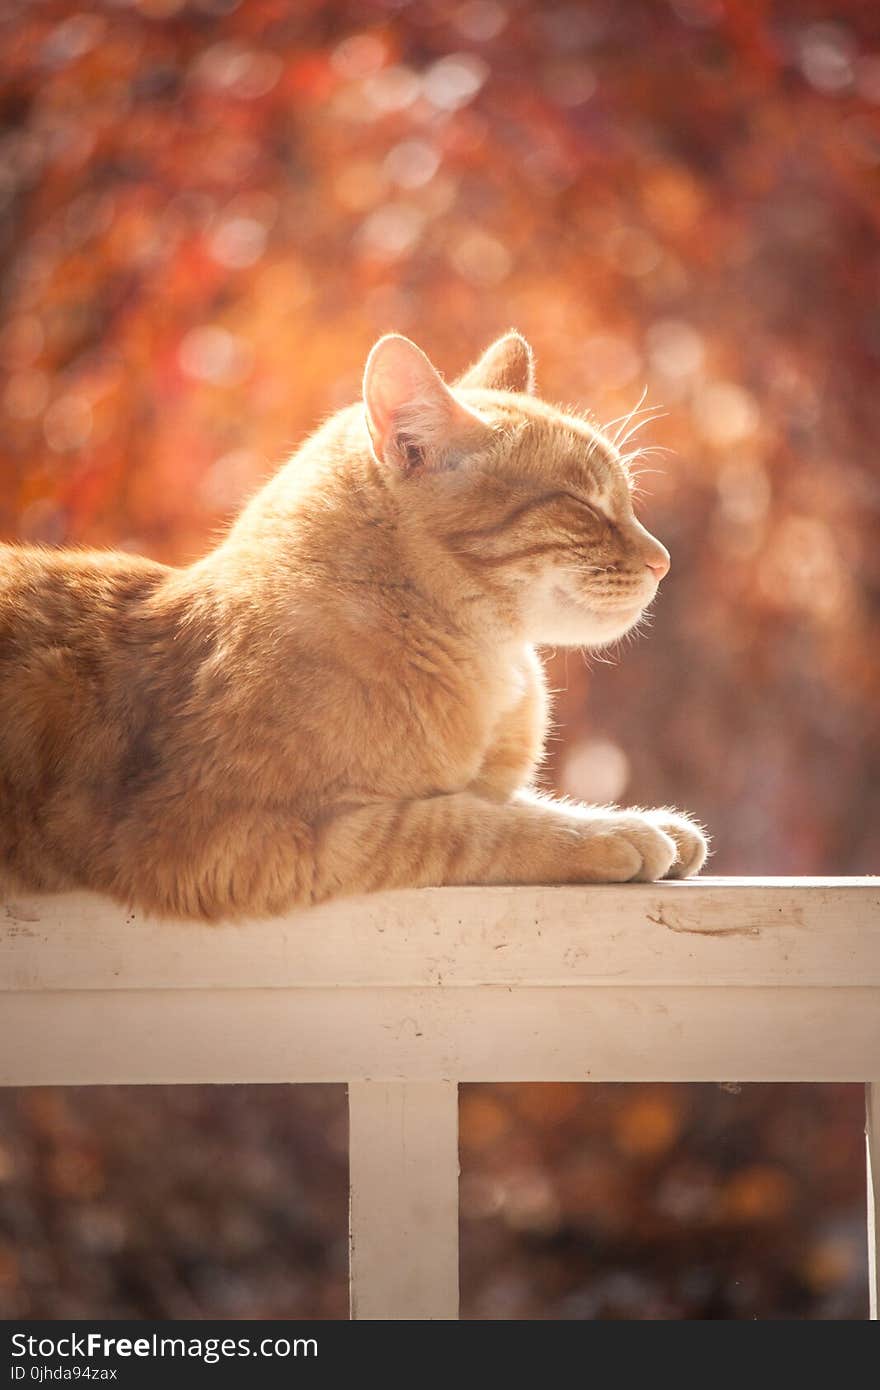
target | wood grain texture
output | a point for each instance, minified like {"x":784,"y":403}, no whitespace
{"x":403,"y":1216}
{"x":403,"y":995}
{"x":803,"y":932}
{"x":604,"y":1033}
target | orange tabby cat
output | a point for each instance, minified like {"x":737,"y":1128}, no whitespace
{"x":344,"y":695}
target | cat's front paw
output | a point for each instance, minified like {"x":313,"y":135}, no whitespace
{"x":628,"y":848}
{"x":691,"y":841}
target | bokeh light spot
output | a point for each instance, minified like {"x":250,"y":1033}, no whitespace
{"x":454,"y":81}
{"x":213,"y":354}
{"x":596,"y":770}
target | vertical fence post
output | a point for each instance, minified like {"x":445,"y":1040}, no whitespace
{"x":403,"y":1217}
{"x":872,"y":1138}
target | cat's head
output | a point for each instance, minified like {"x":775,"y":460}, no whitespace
{"x":531,"y":506}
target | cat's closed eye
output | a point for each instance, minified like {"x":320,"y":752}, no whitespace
{"x":598,"y":516}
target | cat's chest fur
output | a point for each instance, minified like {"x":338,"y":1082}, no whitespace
{"x":459,"y":716}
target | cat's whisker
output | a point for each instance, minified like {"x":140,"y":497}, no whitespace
{"x":603,"y":656}
{"x":623,"y":437}
{"x":369,"y":619}
{"x":649,"y":449}
{"x":644,"y":452}
{"x":623,"y":420}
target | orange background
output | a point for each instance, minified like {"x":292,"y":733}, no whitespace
{"x":212,"y":209}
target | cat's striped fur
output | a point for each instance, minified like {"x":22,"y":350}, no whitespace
{"x":344,"y":695}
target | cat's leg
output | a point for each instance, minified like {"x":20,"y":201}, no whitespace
{"x":515,"y":751}
{"x":228,"y":860}
{"x":247,"y":863}
{"x":462,"y":839}
{"x":517,"y":747}
{"x":691,"y":841}
{"x":509,"y":764}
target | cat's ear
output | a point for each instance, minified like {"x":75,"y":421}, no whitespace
{"x":415,"y":421}
{"x":508,"y":365}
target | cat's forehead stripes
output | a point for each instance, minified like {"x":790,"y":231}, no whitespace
{"x":609,"y":478}
{"x":557,"y":447}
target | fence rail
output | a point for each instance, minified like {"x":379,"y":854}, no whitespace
{"x":404,"y":995}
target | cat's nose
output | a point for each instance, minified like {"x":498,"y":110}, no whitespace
{"x":654,"y":552}
{"x":659,"y":563}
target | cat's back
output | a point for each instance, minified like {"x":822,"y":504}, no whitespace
{"x":53,"y":591}
{"x":65,"y":619}
{"x":58,"y":564}
{"x":73,"y":643}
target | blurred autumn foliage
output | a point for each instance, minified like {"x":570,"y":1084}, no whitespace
{"x":209,"y":211}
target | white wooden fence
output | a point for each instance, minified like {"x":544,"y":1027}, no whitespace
{"x":403,"y":995}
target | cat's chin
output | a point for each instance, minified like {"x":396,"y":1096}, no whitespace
{"x":572,"y":623}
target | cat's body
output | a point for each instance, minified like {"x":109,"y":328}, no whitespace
{"x":344,"y":695}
